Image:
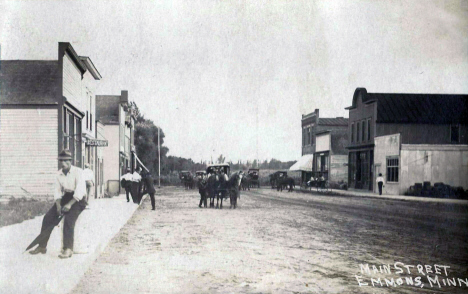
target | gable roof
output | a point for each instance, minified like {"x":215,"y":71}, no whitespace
{"x":29,"y":82}
{"x":417,"y":108}
{"x":107,"y":108}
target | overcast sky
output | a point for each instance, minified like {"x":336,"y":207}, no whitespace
{"x":208,"y":71}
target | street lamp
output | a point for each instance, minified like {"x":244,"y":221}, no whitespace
{"x":159,"y":160}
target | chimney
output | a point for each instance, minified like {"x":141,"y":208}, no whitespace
{"x":124,"y":96}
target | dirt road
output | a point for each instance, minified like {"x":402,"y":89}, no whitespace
{"x":281,"y":243}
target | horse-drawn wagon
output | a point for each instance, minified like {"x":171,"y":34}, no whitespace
{"x":224,"y":186}
{"x":186,"y":178}
{"x":200,"y":173}
{"x":276,"y":177}
{"x":253,"y":174}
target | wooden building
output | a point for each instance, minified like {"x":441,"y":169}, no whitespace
{"x":45,"y":106}
{"x":434,"y":120}
{"x":118,"y":119}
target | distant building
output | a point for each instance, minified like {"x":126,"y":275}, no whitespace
{"x":408,"y":138}
{"x":323,"y":147}
{"x":45,"y":106}
{"x":118,"y":119}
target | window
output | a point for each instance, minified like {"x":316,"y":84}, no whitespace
{"x":91,"y":121}
{"x":455,"y":134}
{"x":65,"y":129}
{"x":358,"y":131}
{"x":308,"y":136}
{"x":87,"y":120}
{"x":303,"y":137}
{"x":364,"y":129}
{"x":392,"y":169}
{"x":368,"y":129}
{"x":352,"y":133}
{"x":311,"y":141}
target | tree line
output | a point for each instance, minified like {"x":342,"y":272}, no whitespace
{"x":146,"y":145}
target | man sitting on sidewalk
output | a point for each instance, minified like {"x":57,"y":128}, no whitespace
{"x":69,"y":194}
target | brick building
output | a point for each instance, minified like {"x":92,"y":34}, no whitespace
{"x":383,"y":127}
{"x":323,"y":147}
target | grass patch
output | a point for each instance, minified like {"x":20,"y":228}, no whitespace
{"x":19,"y":209}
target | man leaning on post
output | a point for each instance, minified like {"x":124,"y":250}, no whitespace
{"x":69,"y":194}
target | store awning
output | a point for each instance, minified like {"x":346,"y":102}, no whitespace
{"x":139,"y":161}
{"x":303,"y":164}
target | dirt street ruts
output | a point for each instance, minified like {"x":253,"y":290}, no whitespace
{"x":277,"y":243}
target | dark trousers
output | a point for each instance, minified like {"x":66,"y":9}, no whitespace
{"x":202,"y":198}
{"x":153,"y":202}
{"x":68,"y":223}
{"x":380,"y":187}
{"x":127,"y":191}
{"x":136,"y":192}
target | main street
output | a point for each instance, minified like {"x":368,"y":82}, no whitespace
{"x":283,"y":243}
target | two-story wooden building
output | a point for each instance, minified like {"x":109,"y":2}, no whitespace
{"x":118,"y":119}
{"x":383,"y":125}
{"x":45,"y":106}
{"x":323,"y":147}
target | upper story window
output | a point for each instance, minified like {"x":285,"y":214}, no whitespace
{"x":352,"y":132}
{"x":364,"y":129}
{"x":303,"y":137}
{"x":368,"y":129}
{"x":91,"y":112}
{"x":358,"y":131}
{"x":455,"y":134}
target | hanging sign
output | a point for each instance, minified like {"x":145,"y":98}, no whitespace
{"x":98,"y":143}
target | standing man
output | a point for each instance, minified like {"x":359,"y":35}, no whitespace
{"x":149,"y":188}
{"x":380,"y":181}
{"x":202,"y":187}
{"x":211,"y":187}
{"x":88,"y":176}
{"x":69,"y":194}
{"x":136,"y":178}
{"x":126,"y":182}
{"x":223,"y":178}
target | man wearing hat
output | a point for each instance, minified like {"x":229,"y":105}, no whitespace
{"x":69,"y":194}
{"x":148,"y":183}
{"x":126,"y":182}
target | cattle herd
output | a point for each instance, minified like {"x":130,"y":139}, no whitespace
{"x":217,"y":182}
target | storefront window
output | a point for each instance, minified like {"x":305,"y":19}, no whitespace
{"x":392,"y":169}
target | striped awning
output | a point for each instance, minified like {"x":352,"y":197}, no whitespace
{"x":303,"y":164}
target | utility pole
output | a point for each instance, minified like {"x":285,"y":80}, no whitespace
{"x":159,"y":160}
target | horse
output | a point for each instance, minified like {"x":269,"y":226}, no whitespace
{"x":283,"y":183}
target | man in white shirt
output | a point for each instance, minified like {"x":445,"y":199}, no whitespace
{"x":136,"y":179}
{"x":69,"y":194}
{"x":88,"y":176}
{"x":126,"y":182}
{"x":380,"y":182}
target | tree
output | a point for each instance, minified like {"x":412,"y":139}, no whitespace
{"x":221,"y":159}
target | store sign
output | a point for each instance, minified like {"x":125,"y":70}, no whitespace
{"x":98,"y":143}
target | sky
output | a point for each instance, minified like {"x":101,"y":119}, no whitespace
{"x":234,"y":77}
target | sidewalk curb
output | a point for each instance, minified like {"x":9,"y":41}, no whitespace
{"x":341,"y":193}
